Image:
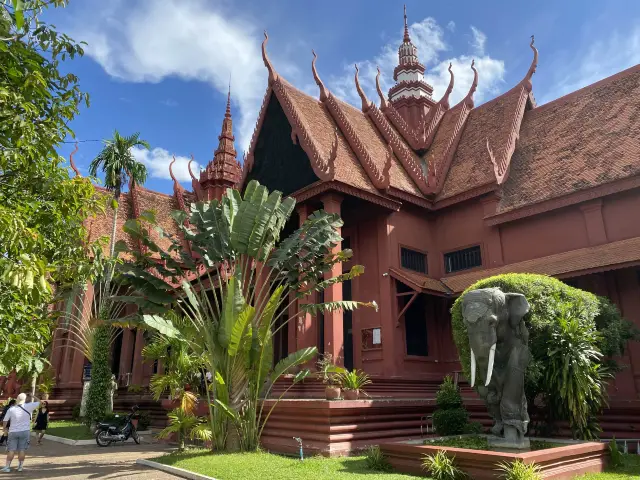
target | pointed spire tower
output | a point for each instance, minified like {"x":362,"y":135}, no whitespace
{"x":411,"y":95}
{"x":223,"y":171}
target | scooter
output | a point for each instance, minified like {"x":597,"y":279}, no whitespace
{"x":106,"y":433}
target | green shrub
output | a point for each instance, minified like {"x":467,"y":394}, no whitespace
{"x":473,"y":428}
{"x":144,"y":422}
{"x":475,"y":442}
{"x":448,"y":395}
{"x":450,"y":422}
{"x":548,"y":297}
{"x":441,"y":467}
{"x":519,"y":470}
{"x":75,"y":412}
{"x":616,"y":455}
{"x":376,"y":460}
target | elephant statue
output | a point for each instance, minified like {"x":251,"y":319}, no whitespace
{"x":500,"y":355}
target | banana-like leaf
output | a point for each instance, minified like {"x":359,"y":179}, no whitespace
{"x":225,"y":408}
{"x":162,"y":325}
{"x":296,"y":358}
{"x":233,"y":303}
{"x":239,"y":328}
{"x":264,"y":222}
{"x":315,"y":308}
{"x":243,"y":223}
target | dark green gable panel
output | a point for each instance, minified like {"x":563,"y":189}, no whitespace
{"x":279,"y":164}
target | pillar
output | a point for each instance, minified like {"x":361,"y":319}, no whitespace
{"x":390,"y":335}
{"x":333,"y":323}
{"x":305,"y":332}
{"x":126,"y":353}
{"x":74,"y":358}
{"x":138,"y":365}
{"x":491,"y":234}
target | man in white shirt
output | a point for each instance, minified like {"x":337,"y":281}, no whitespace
{"x":20,"y":429}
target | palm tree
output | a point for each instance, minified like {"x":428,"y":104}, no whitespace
{"x":119,"y":166}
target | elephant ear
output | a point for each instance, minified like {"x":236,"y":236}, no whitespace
{"x":518,"y":306}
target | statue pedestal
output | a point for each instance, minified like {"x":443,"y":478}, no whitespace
{"x":505,"y":444}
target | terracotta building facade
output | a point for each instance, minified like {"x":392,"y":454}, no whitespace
{"x":434,"y":197}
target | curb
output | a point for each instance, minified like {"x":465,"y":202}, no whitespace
{"x":81,"y":443}
{"x":179,"y":472}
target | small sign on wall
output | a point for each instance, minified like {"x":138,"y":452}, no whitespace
{"x":371,"y":338}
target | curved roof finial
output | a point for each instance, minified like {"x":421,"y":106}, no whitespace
{"x":193,"y":177}
{"x":72,"y":163}
{"x":323,"y":90}
{"x":406,"y":38}
{"x":383,"y":100}
{"x":533,"y":67}
{"x":445,"y":97}
{"x":474,"y":85}
{"x":273,"y":75}
{"x":173,"y":177}
{"x":366,"y":103}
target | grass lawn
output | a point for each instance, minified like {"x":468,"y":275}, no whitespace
{"x":258,"y":466}
{"x":69,"y":429}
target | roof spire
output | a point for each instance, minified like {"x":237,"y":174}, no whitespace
{"x":533,"y":67}
{"x":227,"y":113}
{"x":406,"y":38}
{"x":72,"y":163}
{"x":193,"y":177}
{"x":469,"y":98}
{"x":445,"y":97}
{"x":273,"y":75}
{"x":176,"y":185}
{"x":366,"y":103}
{"x":323,"y":90}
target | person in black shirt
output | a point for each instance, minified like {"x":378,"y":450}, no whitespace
{"x":42,"y":421}
{"x":6,"y":408}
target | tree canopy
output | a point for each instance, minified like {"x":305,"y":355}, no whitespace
{"x":42,"y":209}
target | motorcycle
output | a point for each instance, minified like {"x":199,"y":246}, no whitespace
{"x":106,"y":433}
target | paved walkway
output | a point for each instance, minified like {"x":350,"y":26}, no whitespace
{"x":58,"y":461}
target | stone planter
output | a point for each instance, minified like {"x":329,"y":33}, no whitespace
{"x":351,"y":394}
{"x":331,"y":392}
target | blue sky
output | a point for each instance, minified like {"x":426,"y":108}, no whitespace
{"x":162,"y":67}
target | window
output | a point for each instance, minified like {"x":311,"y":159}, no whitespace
{"x":462,"y":259}
{"x":346,"y":243}
{"x":412,"y":260}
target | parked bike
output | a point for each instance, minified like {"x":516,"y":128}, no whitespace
{"x":107,"y":433}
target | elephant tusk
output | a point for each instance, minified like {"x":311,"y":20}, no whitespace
{"x":492,"y":356}
{"x":473,"y":368}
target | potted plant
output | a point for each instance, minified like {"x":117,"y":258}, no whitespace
{"x":330,"y":376}
{"x":47,"y":382}
{"x":352,"y":382}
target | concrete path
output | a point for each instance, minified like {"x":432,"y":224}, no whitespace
{"x":58,"y":461}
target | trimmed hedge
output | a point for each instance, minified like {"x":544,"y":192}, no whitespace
{"x":547,"y":297}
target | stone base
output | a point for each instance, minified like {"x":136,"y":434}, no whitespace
{"x":503,"y":444}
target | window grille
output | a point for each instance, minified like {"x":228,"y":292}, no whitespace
{"x":462,"y":259}
{"x":412,"y":260}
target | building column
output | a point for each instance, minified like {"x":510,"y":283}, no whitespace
{"x":387,"y":303}
{"x":74,"y":358}
{"x":305,"y":332}
{"x":333,"y":321}
{"x":491,"y":234}
{"x":126,"y":353}
{"x":137,"y":373}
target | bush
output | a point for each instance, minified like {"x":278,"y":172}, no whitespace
{"x":549,"y":298}
{"x":375,"y":459}
{"x":75,"y":412}
{"x":474,"y":428}
{"x":616,"y":456}
{"x":144,"y":422}
{"x":441,"y":467}
{"x":448,"y":395}
{"x":519,"y":470}
{"x":450,"y":422}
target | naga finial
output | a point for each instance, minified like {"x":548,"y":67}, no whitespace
{"x":383,"y":100}
{"x":273,"y":75}
{"x":366,"y":104}
{"x":193,"y":177}
{"x":474,"y":85}
{"x":533,"y":67}
{"x":323,"y":90}
{"x":445,"y":97}
{"x":72,"y":163}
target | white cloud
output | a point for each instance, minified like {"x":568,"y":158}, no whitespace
{"x":169,"y":102}
{"x":157,"y":162}
{"x":478,"y":40}
{"x":600,"y":60}
{"x":428,"y":37}
{"x":451,"y":26}
{"x":188,"y":39}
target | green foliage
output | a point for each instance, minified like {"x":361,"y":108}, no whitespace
{"x":448,"y":395}
{"x":441,"y":466}
{"x":474,"y":428}
{"x":376,"y":460}
{"x":475,"y":442}
{"x":243,"y":278}
{"x":75,"y":412}
{"x":616,"y":456}
{"x":98,"y":395}
{"x":450,"y":422}
{"x":185,"y":425}
{"x":42,"y":210}
{"x":354,"y":380}
{"x":135,"y":388}
{"x":144,"y":420}
{"x":519,"y":470}
{"x":594,"y":319}
{"x":327,"y":371}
